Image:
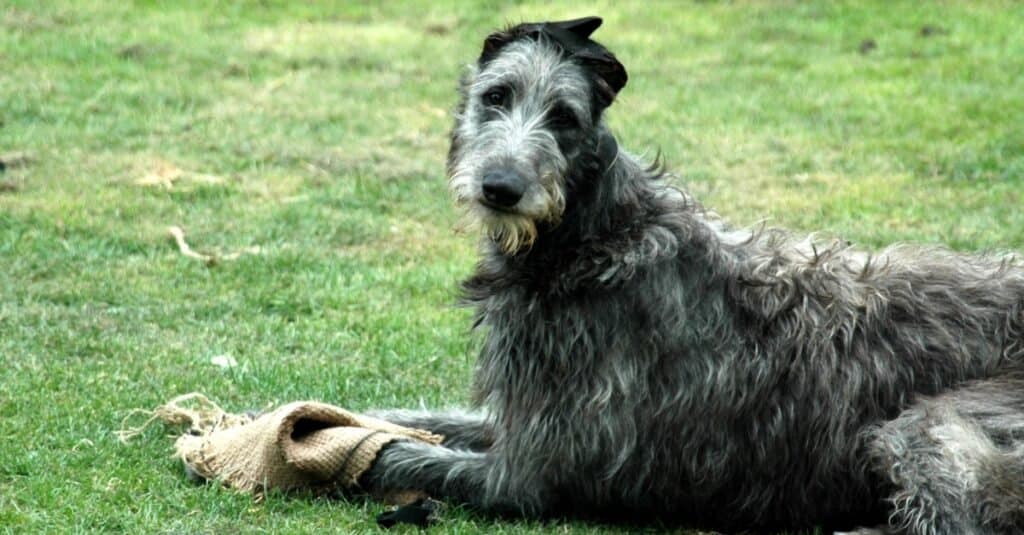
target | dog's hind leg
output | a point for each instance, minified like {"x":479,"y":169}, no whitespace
{"x":461,"y":429}
{"x":956,"y":461}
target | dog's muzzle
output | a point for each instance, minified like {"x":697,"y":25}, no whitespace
{"x":502,"y":188}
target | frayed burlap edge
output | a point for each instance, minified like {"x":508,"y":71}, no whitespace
{"x":198,"y":412}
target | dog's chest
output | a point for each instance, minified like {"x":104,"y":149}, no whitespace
{"x":575,"y":354}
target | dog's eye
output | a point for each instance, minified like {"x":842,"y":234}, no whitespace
{"x":562,"y":117}
{"x":495,"y":97}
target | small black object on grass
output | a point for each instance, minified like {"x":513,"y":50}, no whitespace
{"x":421,"y":513}
{"x":930,"y":30}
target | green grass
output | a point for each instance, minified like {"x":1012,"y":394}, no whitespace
{"x":319,"y":134}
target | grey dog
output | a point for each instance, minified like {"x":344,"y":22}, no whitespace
{"x":644,"y":360}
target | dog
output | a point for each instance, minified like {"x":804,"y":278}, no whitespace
{"x":643,"y":360}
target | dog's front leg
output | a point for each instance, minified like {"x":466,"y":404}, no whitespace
{"x":461,"y":429}
{"x":472,"y":478}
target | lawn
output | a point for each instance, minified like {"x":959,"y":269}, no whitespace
{"x":318,"y":133}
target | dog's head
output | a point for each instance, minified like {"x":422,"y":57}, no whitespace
{"x":528,"y":128}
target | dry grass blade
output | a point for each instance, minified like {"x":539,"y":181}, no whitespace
{"x":178,"y":234}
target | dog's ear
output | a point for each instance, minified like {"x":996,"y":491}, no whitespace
{"x":609,"y":75}
{"x":494,"y":43}
{"x":581,"y":27}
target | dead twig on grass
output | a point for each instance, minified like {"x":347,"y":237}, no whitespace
{"x":210,"y":259}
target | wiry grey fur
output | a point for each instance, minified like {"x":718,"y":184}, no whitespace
{"x":645,"y":360}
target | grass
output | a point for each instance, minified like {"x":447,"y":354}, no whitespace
{"x":318,"y":133}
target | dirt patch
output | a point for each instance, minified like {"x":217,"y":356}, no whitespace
{"x":16,"y":19}
{"x":164,"y":174}
{"x":930,"y":30}
{"x":137,"y":52}
{"x":15,"y":160}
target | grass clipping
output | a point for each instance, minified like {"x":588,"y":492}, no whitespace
{"x":178,"y":234}
{"x":301,"y":445}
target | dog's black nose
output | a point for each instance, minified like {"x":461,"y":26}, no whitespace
{"x":503,"y":188}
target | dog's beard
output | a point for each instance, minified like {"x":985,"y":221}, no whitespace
{"x":512,"y":233}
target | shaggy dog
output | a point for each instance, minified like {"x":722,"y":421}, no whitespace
{"x":644,"y":359}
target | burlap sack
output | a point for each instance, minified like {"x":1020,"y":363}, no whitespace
{"x":305,"y":444}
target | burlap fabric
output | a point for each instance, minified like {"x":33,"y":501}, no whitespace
{"x":301,"y":445}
